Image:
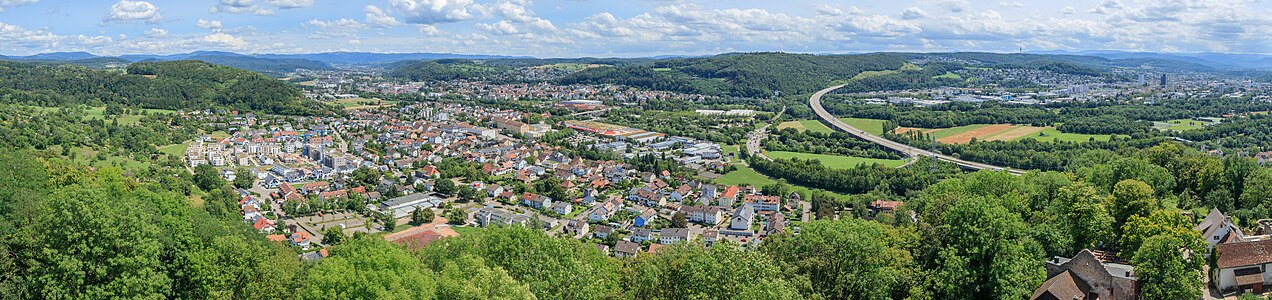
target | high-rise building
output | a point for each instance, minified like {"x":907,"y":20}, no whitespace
{"x":1141,"y":79}
{"x":1163,"y":80}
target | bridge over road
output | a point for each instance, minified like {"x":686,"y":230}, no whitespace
{"x":815,"y":102}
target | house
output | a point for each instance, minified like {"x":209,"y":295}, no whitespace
{"x":489,"y":216}
{"x":1087,"y":277}
{"x":640,"y":235}
{"x":314,"y":256}
{"x":707,"y":215}
{"x":625,"y":249}
{"x":655,"y":248}
{"x":882,"y":206}
{"x":602,"y":231}
{"x":673,"y":235}
{"x":710,"y":236}
{"x":764,"y":203}
{"x":562,"y":208}
{"x":575,"y":228}
{"x":775,"y":224}
{"x":1217,"y":228}
{"x":708,"y":194}
{"x":300,"y":239}
{"x":742,"y":218}
{"x":263,"y":224}
{"x":729,"y":196}
{"x":1243,"y":266}
{"x":645,"y":218}
{"x":604,"y":211}
{"x":603,"y":248}
{"x":535,"y":201}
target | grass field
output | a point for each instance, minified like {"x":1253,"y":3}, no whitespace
{"x":729,"y":149}
{"x":1181,"y":124}
{"x":837,"y":161}
{"x":746,"y":176}
{"x":175,"y":149}
{"x":811,"y":125}
{"x":361,"y":103}
{"x":792,"y":124}
{"x":99,"y":113}
{"x":871,"y":126}
{"x":949,"y":75}
{"x":1004,"y":132}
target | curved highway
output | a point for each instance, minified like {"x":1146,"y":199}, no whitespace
{"x":815,"y":102}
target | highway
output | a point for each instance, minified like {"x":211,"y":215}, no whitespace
{"x":815,"y":102}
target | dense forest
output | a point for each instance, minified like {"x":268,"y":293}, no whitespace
{"x":754,"y":75}
{"x":443,"y":69}
{"x":836,"y":142}
{"x":175,"y":85}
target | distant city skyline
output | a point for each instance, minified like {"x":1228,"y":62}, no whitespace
{"x":571,"y":28}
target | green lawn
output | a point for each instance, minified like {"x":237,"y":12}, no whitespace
{"x":817,"y":126}
{"x":175,"y":149}
{"x":729,"y":149}
{"x":747,"y":176}
{"x":811,"y":125}
{"x":871,"y":126}
{"x":791,"y":124}
{"x":1180,"y":124}
{"x":1051,"y":134}
{"x":466,"y":230}
{"x":949,"y":75}
{"x":837,"y":161}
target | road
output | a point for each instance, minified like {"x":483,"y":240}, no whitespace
{"x":755,"y":137}
{"x":815,"y":102}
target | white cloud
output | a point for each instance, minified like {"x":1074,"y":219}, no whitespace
{"x":343,"y":27}
{"x":246,"y":7}
{"x":156,"y":32}
{"x":912,"y":13}
{"x":429,"y":30}
{"x":288,"y":4}
{"x":437,"y":11}
{"x":379,"y":18}
{"x":126,"y":10}
{"x":234,"y":6}
{"x":206,"y":24}
{"x":225,"y":40}
{"x":11,"y":3}
{"x":1068,"y":10}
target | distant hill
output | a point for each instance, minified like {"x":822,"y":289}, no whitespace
{"x":756,"y":75}
{"x":1222,"y":61}
{"x":443,"y":69}
{"x":358,"y":58}
{"x":164,"y":85}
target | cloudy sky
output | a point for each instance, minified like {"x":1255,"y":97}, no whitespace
{"x":561,"y":28}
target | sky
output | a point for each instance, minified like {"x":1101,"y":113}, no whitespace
{"x":631,"y":28}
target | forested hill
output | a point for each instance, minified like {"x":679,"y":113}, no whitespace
{"x":743,"y":75}
{"x":173,"y":85}
{"x":443,"y":69}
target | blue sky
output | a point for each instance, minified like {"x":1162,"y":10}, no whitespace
{"x":625,"y":28}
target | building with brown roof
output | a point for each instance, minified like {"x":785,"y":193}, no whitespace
{"x":1085,"y":277}
{"x":1243,"y":266}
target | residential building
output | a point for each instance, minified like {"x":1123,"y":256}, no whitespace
{"x":674,"y":235}
{"x":1243,"y":266}
{"x":625,"y":249}
{"x":742,"y":218}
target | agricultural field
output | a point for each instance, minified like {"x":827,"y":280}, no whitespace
{"x":1002,"y":132}
{"x":837,"y":161}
